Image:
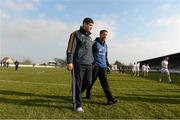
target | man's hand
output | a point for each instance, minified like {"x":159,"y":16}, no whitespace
{"x":69,"y":67}
{"x":108,"y":70}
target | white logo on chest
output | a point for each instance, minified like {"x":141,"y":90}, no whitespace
{"x":100,"y":50}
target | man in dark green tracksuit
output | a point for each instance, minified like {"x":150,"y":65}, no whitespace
{"x":79,"y":61}
{"x":100,"y":67}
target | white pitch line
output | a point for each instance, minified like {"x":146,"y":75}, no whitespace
{"x":40,"y":83}
{"x":35,"y":83}
{"x":58,"y":84}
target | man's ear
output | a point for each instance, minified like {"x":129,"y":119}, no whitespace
{"x":83,"y":24}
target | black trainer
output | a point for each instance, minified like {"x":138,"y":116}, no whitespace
{"x":171,"y":81}
{"x":88,"y":97}
{"x":113,"y":101}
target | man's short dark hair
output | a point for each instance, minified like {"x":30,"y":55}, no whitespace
{"x":102,"y":31}
{"x":88,"y":20}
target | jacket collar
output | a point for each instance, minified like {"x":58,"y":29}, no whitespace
{"x":98,"y":40}
{"x":84,"y":32}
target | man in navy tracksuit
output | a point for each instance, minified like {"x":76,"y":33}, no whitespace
{"x":100,"y":67}
{"x":79,"y":61}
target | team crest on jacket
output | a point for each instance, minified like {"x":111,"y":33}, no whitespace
{"x":100,"y":50}
{"x":82,"y":35}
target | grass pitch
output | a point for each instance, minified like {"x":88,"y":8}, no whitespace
{"x":46,"y":93}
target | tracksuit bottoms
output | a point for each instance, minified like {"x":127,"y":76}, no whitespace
{"x":81,"y":80}
{"x":102,"y":74}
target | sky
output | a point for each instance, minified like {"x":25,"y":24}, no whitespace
{"x":138,"y":29}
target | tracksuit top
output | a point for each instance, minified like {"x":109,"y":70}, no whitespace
{"x":79,"y":49}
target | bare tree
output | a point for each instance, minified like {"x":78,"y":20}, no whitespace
{"x":27,"y":61}
{"x":60,"y":62}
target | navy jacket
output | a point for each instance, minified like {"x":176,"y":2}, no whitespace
{"x":100,"y":53}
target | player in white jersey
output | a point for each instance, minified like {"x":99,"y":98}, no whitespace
{"x":134,"y":69}
{"x":164,"y":70}
{"x":137,"y":69}
{"x":143,"y":69}
{"x":147,"y":68}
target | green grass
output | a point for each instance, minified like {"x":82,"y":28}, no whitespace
{"x":46,"y":93}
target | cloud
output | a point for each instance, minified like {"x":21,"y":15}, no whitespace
{"x":164,"y":6}
{"x":171,"y":21}
{"x":100,"y":25}
{"x":60,"y":7}
{"x":34,"y":30}
{"x":18,"y":5}
{"x":39,"y":2}
{"x":165,"y":23}
{"x":162,"y":40}
{"x":140,"y":18}
{"x":42,"y":39}
{"x":125,"y":12}
{"x":42,"y":15}
{"x":134,"y":49}
{"x":37,"y":38}
{"x":23,"y":29}
{"x":103,"y":22}
{"x":4,"y":15}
